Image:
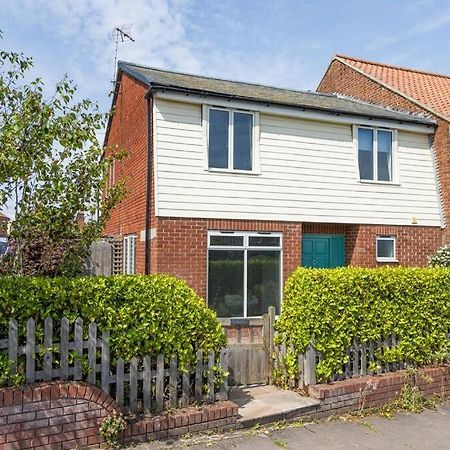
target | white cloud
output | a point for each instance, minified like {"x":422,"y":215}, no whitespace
{"x":162,"y":39}
{"x":87,"y":26}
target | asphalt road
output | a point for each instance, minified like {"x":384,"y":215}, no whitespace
{"x":427,"y":430}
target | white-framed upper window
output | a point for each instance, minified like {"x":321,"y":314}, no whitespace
{"x":231,"y":140}
{"x":244,"y":272}
{"x":375,"y":154}
{"x":386,"y":249}
{"x":129,"y":254}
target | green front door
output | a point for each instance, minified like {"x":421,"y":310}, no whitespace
{"x":323,"y":250}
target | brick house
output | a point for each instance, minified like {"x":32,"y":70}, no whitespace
{"x":401,"y":88}
{"x":233,"y":185}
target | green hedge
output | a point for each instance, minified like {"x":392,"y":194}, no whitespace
{"x":335,"y":306}
{"x":145,"y":314}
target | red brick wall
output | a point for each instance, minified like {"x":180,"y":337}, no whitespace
{"x":340,"y":78}
{"x":180,"y":246}
{"x":57,"y":415}
{"x":66,"y":415}
{"x":374,"y":391}
{"x":128,"y":131}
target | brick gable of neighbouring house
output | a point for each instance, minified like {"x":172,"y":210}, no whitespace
{"x":401,"y":89}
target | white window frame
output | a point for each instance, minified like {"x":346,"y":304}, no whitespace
{"x":245,"y":248}
{"x":395,"y":179}
{"x":255,"y":158}
{"x":386,"y":238}
{"x":129,"y":254}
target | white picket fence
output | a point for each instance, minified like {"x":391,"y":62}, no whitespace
{"x":140,"y":385}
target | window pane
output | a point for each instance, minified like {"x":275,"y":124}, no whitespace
{"x":227,"y":240}
{"x":264,"y":241}
{"x":384,"y":141}
{"x":263,"y":281}
{"x":218,"y":139}
{"x":225,"y":282}
{"x":385,"y":248}
{"x":242,"y":141}
{"x":365,"y":153}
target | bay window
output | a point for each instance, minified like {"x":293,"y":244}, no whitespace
{"x":244,"y":273}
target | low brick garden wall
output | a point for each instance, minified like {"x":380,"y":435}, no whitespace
{"x":374,"y":391}
{"x":65,"y":415}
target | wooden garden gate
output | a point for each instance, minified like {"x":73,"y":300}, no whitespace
{"x":251,"y":363}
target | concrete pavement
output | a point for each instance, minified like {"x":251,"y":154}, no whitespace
{"x":425,"y":431}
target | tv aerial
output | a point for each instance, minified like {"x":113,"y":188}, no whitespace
{"x":120,"y":35}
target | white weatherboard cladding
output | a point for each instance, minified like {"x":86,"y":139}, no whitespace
{"x":308,"y":174}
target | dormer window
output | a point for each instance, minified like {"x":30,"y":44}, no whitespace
{"x":231,"y":139}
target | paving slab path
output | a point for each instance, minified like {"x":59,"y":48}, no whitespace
{"x":425,"y":431}
{"x":266,"y":404}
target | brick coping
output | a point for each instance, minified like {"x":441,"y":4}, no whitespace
{"x":55,"y":390}
{"x":423,"y":376}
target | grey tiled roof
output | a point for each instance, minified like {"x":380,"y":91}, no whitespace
{"x":311,"y":100}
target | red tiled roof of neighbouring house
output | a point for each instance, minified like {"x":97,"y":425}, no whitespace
{"x":427,"y":89}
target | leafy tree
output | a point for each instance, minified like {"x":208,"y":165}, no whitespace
{"x":53,"y":170}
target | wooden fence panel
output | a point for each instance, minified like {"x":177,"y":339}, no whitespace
{"x":137,"y":387}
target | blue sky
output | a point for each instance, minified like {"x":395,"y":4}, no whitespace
{"x":281,"y":42}
{"x":285,"y":43}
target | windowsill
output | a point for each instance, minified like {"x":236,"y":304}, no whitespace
{"x":387,"y":260}
{"x":388,"y":183}
{"x":237,"y":172}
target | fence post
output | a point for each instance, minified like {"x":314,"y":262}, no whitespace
{"x":133,"y":384}
{"x":120,"y":369}
{"x":78,"y":347}
{"x":30,"y":351}
{"x":211,"y":361}
{"x":301,"y":371}
{"x":64,"y":349}
{"x":310,"y":366}
{"x":159,"y":383}
{"x":268,"y":335}
{"x":363,"y":359}
{"x":173,"y":381}
{"x":105,"y":361}
{"x":48,"y":345}
{"x":186,"y":387}
{"x":12,"y":346}
{"x":92,"y":353}
{"x":147,"y":384}
{"x":223,"y":394}
{"x":199,"y":377}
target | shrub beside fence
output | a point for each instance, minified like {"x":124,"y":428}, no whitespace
{"x":147,"y":315}
{"x":141,"y":385}
{"x":359,"y":321}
